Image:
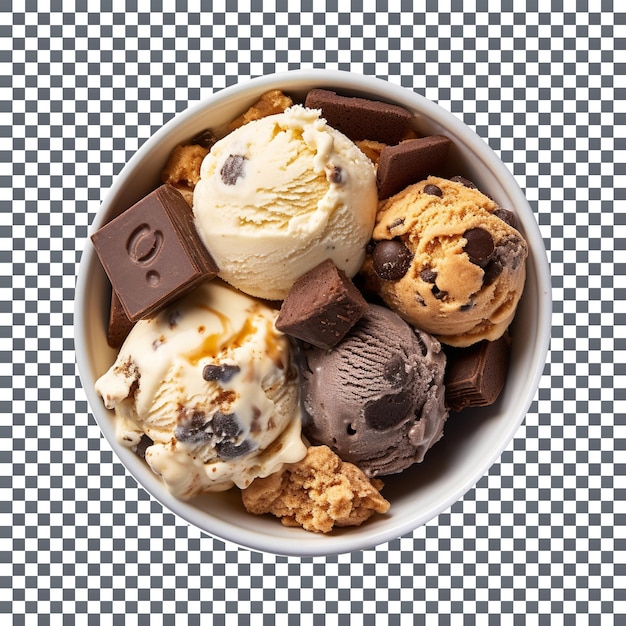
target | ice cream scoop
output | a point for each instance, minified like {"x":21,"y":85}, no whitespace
{"x":377,"y":398}
{"x":211,"y":383}
{"x":281,"y":194}
{"x":448,"y":260}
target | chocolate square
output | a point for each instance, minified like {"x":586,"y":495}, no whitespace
{"x":475,"y":376}
{"x":358,"y":118}
{"x":152,"y":253}
{"x":321,"y":307}
{"x":119,"y":324}
{"x":410,"y":162}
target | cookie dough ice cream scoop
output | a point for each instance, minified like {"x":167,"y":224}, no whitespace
{"x":210,"y":386}
{"x":377,"y":398}
{"x":281,"y":194}
{"x":448,"y":260}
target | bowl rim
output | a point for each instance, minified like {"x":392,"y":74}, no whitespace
{"x":328,"y":544}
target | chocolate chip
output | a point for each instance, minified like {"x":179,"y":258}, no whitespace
{"x":440,"y":295}
{"x":226,"y":424}
{"x":232,"y":170}
{"x":428,"y":275}
{"x":493,"y":269}
{"x":466,"y":183}
{"x":388,"y":411}
{"x":466,"y":307}
{"x":397,"y":222}
{"x":205,"y":138}
{"x":174,"y":316}
{"x":336,"y":175}
{"x":506,"y":216}
{"x":433,"y":190}
{"x":221,"y":373}
{"x":230,"y":450}
{"x":479,"y":247}
{"x":391,"y":259}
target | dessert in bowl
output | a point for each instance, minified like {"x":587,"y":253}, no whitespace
{"x":450,"y":449}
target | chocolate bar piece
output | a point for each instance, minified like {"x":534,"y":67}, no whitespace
{"x":321,"y":307}
{"x":475,"y":376}
{"x":119,"y":324}
{"x":409,"y":162}
{"x":358,"y":118}
{"x":152,"y":253}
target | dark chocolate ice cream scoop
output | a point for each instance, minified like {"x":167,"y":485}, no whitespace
{"x":377,"y":398}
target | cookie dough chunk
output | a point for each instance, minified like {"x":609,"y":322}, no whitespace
{"x":318,"y":493}
{"x":182,"y":169}
{"x":269,"y":103}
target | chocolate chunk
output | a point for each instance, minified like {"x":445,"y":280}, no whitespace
{"x":428,"y":275}
{"x":409,"y":162}
{"x":479,"y":247}
{"x":433,"y":190}
{"x":205,"y":138}
{"x":388,"y":411}
{"x":493,"y":269}
{"x":506,"y":216}
{"x":230,"y":450}
{"x":466,"y":183}
{"x":391,"y":259}
{"x":321,"y":307}
{"x":221,"y":373}
{"x":152,"y":253}
{"x":475,"y":376}
{"x":232,"y":170}
{"x":395,"y":370}
{"x":192,"y":427}
{"x":144,"y":443}
{"x":119,"y":324}
{"x":226,"y":425}
{"x":358,"y":118}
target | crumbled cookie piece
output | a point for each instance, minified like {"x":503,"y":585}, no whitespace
{"x":182,"y":169}
{"x":318,"y":493}
{"x":269,"y":103}
{"x":371,"y":149}
{"x":409,"y":134}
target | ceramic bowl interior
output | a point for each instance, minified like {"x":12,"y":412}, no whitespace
{"x":473,"y":439}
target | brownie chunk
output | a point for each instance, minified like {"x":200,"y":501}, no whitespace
{"x":152,"y":253}
{"x":475,"y":376}
{"x":358,"y":118}
{"x":321,"y":307}
{"x":409,"y":162}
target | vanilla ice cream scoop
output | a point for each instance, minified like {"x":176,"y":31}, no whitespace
{"x":280,"y":195}
{"x":211,"y":383}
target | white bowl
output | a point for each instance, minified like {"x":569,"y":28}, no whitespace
{"x":473,"y":440}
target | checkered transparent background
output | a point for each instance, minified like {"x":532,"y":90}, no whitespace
{"x":541,"y":538}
